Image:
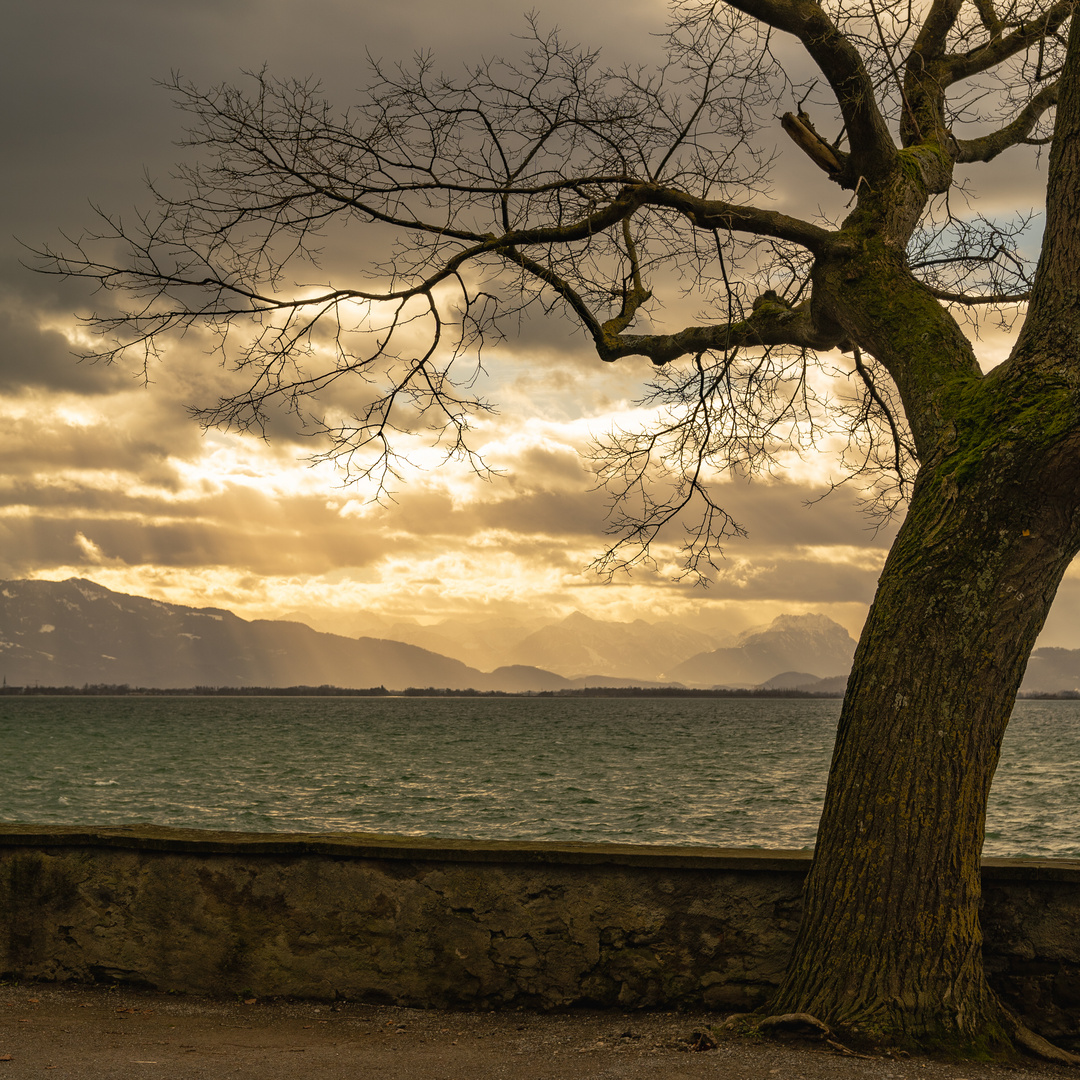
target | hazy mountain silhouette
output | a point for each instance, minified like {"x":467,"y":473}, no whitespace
{"x":812,"y":645}
{"x":580,"y":646}
{"x":73,"y":633}
{"x":1052,"y":671}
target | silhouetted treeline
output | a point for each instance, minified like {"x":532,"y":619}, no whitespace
{"x":681,"y":692}
{"x":124,"y":690}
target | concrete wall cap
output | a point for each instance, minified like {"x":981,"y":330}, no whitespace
{"x":382,"y":846}
{"x":144,"y":837}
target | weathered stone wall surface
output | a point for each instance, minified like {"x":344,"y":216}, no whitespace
{"x":462,"y":923}
{"x":1031,"y":941}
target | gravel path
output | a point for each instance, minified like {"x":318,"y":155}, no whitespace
{"x":96,"y":1033}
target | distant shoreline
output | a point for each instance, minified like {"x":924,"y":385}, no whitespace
{"x":124,"y":690}
{"x":109,"y":690}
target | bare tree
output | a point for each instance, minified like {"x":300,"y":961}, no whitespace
{"x":556,"y":186}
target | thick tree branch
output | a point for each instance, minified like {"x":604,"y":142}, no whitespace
{"x":987,"y":147}
{"x":772,"y":323}
{"x":923,"y":91}
{"x":930,"y":71}
{"x":728,"y":217}
{"x":1051,"y":334}
{"x":989,"y":17}
{"x":940,"y":19}
{"x":802,"y":133}
{"x":766,"y":327}
{"x":872,"y":146}
{"x":1001,"y":48}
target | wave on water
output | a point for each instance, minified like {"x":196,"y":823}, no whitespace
{"x":718,"y":772}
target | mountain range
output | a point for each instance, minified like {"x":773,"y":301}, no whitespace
{"x":75,"y":633}
{"x":821,"y":647}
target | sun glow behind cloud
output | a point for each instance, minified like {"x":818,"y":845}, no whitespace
{"x":131,"y":495}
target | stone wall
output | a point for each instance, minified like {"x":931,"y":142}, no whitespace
{"x":448,"y":923}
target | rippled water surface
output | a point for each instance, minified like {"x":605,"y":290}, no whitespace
{"x":656,"y":771}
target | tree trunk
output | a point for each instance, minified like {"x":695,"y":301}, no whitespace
{"x":890,"y":945}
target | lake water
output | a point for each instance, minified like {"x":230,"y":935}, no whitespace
{"x":728,"y":772}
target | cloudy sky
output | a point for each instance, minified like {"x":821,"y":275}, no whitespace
{"x":109,"y":479}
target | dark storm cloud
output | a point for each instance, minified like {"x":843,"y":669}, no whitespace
{"x":41,"y":543}
{"x":575,"y":515}
{"x":787,"y":577}
{"x":262,"y":550}
{"x":778,"y":513}
{"x":130,"y":432}
{"x":31,"y":357}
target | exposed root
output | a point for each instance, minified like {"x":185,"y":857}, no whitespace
{"x":1026,"y":1039}
{"x":805,"y":1026}
{"x":739,"y":1023}
{"x":792,"y":1025}
{"x":840,"y":1048}
{"x":802,"y":1025}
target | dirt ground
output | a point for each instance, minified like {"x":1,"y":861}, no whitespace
{"x":70,"y":1032}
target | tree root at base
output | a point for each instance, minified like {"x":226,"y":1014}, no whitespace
{"x":803,"y":1025}
{"x":1026,"y":1040}
{"x":798,"y":1025}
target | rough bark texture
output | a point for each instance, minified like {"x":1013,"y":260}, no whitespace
{"x":890,"y":943}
